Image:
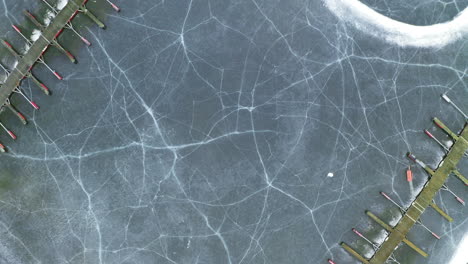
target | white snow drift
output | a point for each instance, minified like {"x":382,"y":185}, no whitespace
{"x":402,"y":34}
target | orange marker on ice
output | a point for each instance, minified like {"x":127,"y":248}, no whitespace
{"x":409,"y":174}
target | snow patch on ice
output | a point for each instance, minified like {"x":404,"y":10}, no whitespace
{"x":395,"y":219}
{"x":61,"y":4}
{"x":380,"y":237}
{"x":461,"y":255}
{"x":35,"y":34}
{"x":48,"y":17}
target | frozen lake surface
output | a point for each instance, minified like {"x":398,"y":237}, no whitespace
{"x":216,"y":131}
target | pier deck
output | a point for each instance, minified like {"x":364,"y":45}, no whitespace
{"x":423,"y":200}
{"x":34,"y":53}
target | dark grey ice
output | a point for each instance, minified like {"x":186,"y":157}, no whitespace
{"x":229,"y":132}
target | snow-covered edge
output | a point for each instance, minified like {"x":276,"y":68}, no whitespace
{"x":366,"y":19}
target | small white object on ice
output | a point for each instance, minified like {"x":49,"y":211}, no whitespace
{"x":330,"y":174}
{"x":445,"y":97}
